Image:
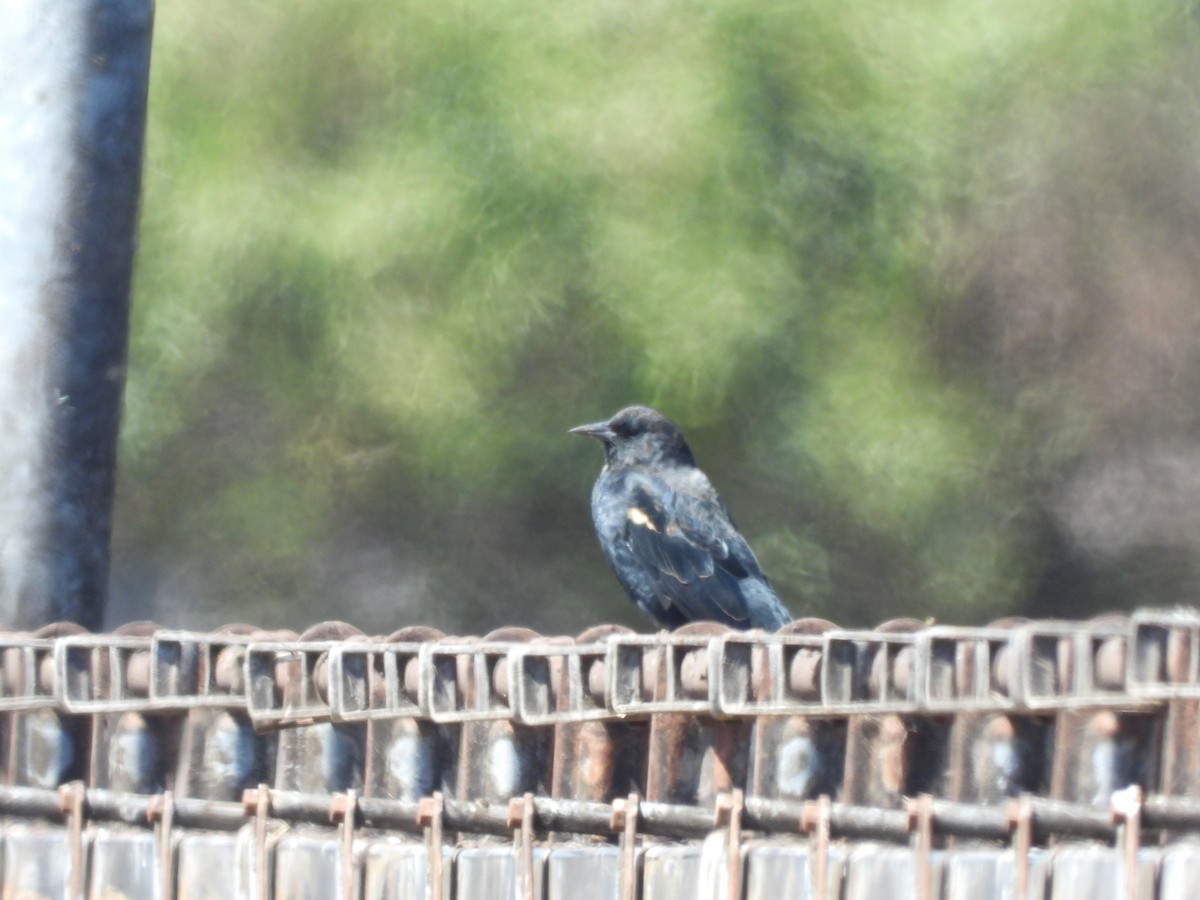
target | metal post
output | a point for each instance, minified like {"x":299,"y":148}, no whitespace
{"x":73,"y":83}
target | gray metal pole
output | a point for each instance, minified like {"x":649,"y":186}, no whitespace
{"x":73,"y":83}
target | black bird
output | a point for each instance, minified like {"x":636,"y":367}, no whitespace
{"x":666,"y":532}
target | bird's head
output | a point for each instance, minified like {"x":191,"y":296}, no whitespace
{"x":639,"y":436}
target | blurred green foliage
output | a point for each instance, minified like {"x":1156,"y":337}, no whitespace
{"x":391,"y":251}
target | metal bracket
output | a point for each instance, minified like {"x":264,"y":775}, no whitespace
{"x":815,"y":821}
{"x":161,"y":814}
{"x":625,"y":823}
{"x":728,"y":814}
{"x":965,"y":669}
{"x":71,"y":799}
{"x":343,"y":811}
{"x":102,"y":673}
{"x":1126,"y":807}
{"x":655,"y":673}
{"x":1020,"y":821}
{"x":868,"y":672}
{"x":467,"y":681}
{"x":285,"y":682}
{"x":189,"y":670}
{"x":520,"y":820}
{"x":1164,"y":653}
{"x":920,"y":825}
{"x":757,"y":674}
{"x":430,"y":811}
{"x":22,"y":660}
{"x":257,"y":802}
{"x":1064,"y":665}
{"x":367,"y":680}
{"x":556,"y":682}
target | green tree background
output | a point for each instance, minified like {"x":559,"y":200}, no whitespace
{"x":920,"y":281}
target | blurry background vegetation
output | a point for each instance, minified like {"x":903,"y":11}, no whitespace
{"x":920,"y":281}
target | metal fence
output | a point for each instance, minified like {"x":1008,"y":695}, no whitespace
{"x":1036,"y":759}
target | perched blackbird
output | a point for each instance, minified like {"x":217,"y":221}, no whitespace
{"x":666,"y":532}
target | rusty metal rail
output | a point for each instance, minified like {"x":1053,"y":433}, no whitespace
{"x":352,"y":850}
{"x":1023,"y":759}
{"x":809,"y":669}
{"x":1047,"y":818}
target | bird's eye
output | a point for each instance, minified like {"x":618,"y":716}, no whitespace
{"x":623,"y":428}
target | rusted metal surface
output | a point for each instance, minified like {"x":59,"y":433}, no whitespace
{"x":43,"y":744}
{"x":160,"y":813}
{"x":693,"y":755}
{"x":520,"y":820}
{"x":796,"y":757}
{"x":624,"y":822}
{"x":872,"y":674}
{"x":71,"y":805}
{"x":1098,"y":752}
{"x":729,"y":810}
{"x":429,"y":817}
{"x":993,"y":756}
{"x":333,"y":673}
{"x":1011,"y":759}
{"x":288,"y":688}
{"x":499,"y":756}
{"x":379,"y":681}
{"x":597,"y":757}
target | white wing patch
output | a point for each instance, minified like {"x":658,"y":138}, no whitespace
{"x":637,"y":517}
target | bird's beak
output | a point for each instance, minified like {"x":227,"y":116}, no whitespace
{"x":598,"y":430}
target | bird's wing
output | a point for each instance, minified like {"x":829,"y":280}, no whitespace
{"x":691,"y":549}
